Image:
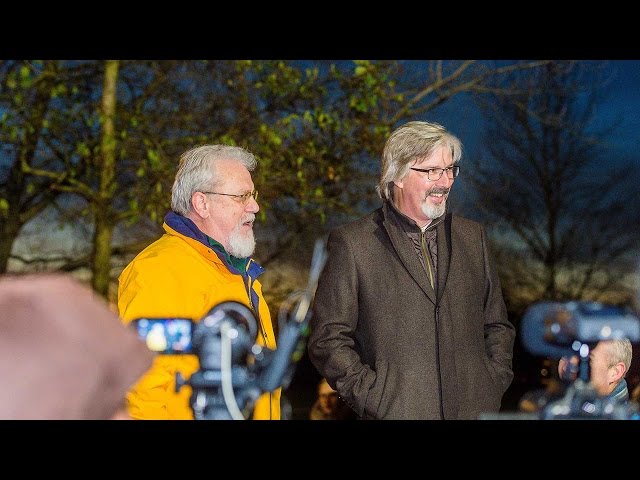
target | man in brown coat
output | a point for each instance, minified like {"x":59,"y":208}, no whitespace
{"x":409,"y":320}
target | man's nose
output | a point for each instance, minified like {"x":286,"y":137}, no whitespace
{"x":252,"y":205}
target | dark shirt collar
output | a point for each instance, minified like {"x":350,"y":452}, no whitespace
{"x":239,"y":263}
{"x":408,"y":224}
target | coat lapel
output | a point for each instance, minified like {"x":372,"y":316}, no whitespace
{"x":402,"y":245}
{"x":444,"y":253}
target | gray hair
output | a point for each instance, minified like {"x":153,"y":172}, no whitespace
{"x":620,"y":351}
{"x":196,"y":172}
{"x":410,"y":142}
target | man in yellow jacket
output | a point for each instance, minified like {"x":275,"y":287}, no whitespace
{"x":203,"y":259}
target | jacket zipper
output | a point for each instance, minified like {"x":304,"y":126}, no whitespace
{"x":248,"y":286}
{"x":427,"y":259}
{"x":264,"y":334}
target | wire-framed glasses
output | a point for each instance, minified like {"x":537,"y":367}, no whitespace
{"x":434,"y":174}
{"x":244,"y":197}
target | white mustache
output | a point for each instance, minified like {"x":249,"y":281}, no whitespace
{"x":248,"y":218}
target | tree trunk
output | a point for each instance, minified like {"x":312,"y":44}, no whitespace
{"x":7,"y":236}
{"x":103,"y":210}
{"x":10,"y":225}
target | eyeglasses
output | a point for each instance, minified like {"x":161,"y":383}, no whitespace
{"x":244,"y":198}
{"x":434,"y":174}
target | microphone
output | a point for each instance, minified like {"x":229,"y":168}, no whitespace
{"x":291,"y":338}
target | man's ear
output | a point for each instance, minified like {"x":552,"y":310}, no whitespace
{"x":617,"y":372}
{"x":199,"y":204}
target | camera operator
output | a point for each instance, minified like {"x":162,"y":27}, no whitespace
{"x":609,"y":362}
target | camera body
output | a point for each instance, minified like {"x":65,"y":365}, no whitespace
{"x":230,"y":363}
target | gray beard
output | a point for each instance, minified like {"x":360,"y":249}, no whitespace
{"x":434,"y":211}
{"x":241,"y":246}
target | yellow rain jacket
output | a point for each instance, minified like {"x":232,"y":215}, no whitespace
{"x":180,"y":275}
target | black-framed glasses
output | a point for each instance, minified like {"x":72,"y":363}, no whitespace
{"x":244,"y":197}
{"x":434,"y":174}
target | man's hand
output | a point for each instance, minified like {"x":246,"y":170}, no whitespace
{"x":568,"y":368}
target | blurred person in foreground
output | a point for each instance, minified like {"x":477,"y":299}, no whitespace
{"x":409,"y":320}
{"x":328,"y":406}
{"x":65,"y":354}
{"x":204,"y":258}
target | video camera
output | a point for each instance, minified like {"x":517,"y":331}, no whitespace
{"x":233,"y":370}
{"x":572,"y":329}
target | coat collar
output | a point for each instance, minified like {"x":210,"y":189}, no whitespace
{"x":621,"y":392}
{"x":408,"y":224}
{"x":398,"y":225}
{"x":184,"y":227}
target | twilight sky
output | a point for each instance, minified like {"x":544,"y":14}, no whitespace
{"x":622,"y":105}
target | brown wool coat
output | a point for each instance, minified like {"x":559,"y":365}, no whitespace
{"x":392,"y":349}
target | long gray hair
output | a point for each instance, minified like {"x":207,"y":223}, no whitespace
{"x":410,"y":142}
{"x":196,"y":172}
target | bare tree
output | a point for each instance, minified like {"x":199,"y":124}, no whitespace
{"x":435,"y":82}
{"x":554,"y":199}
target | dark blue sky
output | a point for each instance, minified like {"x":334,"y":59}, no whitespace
{"x":621,"y":107}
